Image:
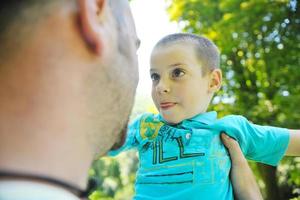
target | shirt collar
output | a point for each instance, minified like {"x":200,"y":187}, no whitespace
{"x":203,"y":118}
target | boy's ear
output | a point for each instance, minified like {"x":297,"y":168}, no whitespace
{"x":92,"y":16}
{"x":215,"y":80}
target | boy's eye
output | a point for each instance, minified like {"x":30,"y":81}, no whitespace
{"x":155,"y":77}
{"x":177,"y":73}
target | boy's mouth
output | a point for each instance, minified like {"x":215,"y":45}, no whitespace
{"x":167,"y":105}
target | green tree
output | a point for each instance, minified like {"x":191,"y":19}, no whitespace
{"x":260,"y":46}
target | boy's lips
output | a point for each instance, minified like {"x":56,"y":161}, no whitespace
{"x":167,"y":105}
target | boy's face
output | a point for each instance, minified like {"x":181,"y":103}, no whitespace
{"x":179,"y":89}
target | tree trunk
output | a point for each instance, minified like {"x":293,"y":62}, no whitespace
{"x":268,"y":174}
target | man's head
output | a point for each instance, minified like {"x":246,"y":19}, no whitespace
{"x":68,"y":74}
{"x":185,"y":74}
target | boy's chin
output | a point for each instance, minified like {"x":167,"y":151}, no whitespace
{"x":171,"y":120}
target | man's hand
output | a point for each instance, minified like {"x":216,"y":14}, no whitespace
{"x":242,"y":178}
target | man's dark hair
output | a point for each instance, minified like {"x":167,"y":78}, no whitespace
{"x":15,"y":10}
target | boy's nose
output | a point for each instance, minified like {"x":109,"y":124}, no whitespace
{"x":163,"y":87}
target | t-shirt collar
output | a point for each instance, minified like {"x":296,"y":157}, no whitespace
{"x":204,"y":118}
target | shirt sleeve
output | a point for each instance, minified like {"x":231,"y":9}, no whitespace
{"x":265,"y":144}
{"x":132,"y":137}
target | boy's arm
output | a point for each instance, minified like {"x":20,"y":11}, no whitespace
{"x":265,"y":144}
{"x":242,"y":178}
{"x":294,"y":144}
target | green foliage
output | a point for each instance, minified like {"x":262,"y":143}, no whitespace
{"x":114,"y":177}
{"x":98,"y":195}
{"x":260,"y":45}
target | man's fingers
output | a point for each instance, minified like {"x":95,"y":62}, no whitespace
{"x":244,"y":184}
{"x":234,"y":149}
{"x":229,"y":142}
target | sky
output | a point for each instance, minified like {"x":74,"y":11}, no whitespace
{"x":152,"y":23}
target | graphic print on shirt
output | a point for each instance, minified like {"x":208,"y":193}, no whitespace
{"x":168,"y":157}
{"x":158,"y":152}
{"x":149,"y":127}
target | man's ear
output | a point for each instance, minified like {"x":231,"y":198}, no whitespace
{"x":215,"y":80}
{"x":91,"y":14}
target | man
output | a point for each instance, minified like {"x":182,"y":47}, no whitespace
{"x":68,"y":79}
{"x":68,"y":74}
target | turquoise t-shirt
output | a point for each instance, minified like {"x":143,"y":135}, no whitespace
{"x":188,"y":160}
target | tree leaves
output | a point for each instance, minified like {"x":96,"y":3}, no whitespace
{"x":260,"y":45}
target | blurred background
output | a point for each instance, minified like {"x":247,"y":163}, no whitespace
{"x":260,"y":45}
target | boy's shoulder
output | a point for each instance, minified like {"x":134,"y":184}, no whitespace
{"x":231,"y":122}
{"x":232,"y":119}
{"x":234,"y":126}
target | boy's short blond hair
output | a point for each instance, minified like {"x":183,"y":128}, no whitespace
{"x":206,"y":51}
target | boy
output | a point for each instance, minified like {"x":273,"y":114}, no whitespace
{"x":181,"y":155}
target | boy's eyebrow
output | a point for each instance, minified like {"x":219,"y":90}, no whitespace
{"x":177,"y":64}
{"x":172,"y":65}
